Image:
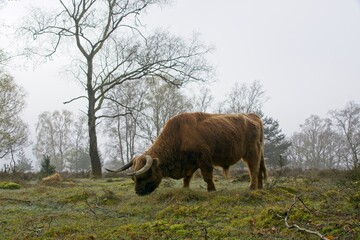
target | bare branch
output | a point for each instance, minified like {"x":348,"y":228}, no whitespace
{"x":74,"y":99}
{"x":301,"y":229}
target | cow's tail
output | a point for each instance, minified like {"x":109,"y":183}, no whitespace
{"x":263,"y":170}
{"x":263,"y":166}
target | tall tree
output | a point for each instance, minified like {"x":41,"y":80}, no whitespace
{"x":13,"y":130}
{"x":202,"y":101}
{"x":122,"y":129}
{"x":347,"y":121}
{"x":152,"y":103}
{"x":53,"y":133}
{"x":77,"y":158}
{"x":315,"y":145}
{"x":23,"y":163}
{"x":244,"y":98}
{"x":63,"y":138}
{"x":115,"y":49}
{"x":162,"y":102}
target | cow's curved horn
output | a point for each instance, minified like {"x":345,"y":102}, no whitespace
{"x":126,"y":166}
{"x":144,"y":169}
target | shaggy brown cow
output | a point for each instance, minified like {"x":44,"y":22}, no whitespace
{"x":199,"y":140}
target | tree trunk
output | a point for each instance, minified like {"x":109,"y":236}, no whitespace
{"x":94,"y":152}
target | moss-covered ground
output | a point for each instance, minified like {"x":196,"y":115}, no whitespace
{"x":109,"y":209}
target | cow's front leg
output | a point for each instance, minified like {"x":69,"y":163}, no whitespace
{"x":207,"y":173}
{"x":187,"y":181}
{"x":188,"y":175}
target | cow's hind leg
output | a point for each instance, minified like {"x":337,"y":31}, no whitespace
{"x":253,"y":163}
{"x":254,"y":174}
{"x":262,"y":172}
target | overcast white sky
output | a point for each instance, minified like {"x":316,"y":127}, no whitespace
{"x":306,"y":53}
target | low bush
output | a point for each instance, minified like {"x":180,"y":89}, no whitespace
{"x":9,"y":185}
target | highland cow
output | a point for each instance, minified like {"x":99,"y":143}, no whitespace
{"x":192,"y":141}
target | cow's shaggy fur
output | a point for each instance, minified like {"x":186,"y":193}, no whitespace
{"x":190,"y":141}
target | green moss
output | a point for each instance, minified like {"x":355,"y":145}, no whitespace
{"x":355,"y":199}
{"x":270,"y":216}
{"x":77,"y":197}
{"x":178,"y":229}
{"x":220,"y":200}
{"x":61,"y":231}
{"x":241,"y":223}
{"x":111,"y":210}
{"x":289,"y":189}
{"x":9,"y":185}
{"x":178,"y":211}
{"x":183,"y":195}
{"x":109,"y":198}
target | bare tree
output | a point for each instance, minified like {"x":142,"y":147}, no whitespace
{"x":202,"y":101}
{"x":315,"y":146}
{"x":162,"y":102}
{"x":77,"y":158}
{"x":23,"y":163}
{"x":295,"y":151}
{"x":244,"y":98}
{"x":53,"y":137}
{"x":62,"y":137}
{"x":122,"y":130}
{"x":114,"y":49}
{"x":13,"y":130}
{"x":152,"y":103}
{"x":347,"y":121}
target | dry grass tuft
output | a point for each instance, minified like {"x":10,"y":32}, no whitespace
{"x":56,"y":177}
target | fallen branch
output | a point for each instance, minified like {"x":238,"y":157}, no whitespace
{"x":286,"y":217}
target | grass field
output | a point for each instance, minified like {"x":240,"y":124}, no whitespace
{"x":109,"y":209}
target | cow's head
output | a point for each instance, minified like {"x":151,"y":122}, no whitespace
{"x":146,"y":173}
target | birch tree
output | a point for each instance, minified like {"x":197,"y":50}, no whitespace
{"x":53,"y":137}
{"x":317,"y":145}
{"x":13,"y":130}
{"x":162,"y":102}
{"x":244,"y":98}
{"x":347,"y":121}
{"x":122,"y":130}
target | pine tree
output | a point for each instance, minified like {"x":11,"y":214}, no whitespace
{"x":275,"y":142}
{"x":46,"y":167}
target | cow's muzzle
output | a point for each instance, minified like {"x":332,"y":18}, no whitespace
{"x":149,"y":188}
